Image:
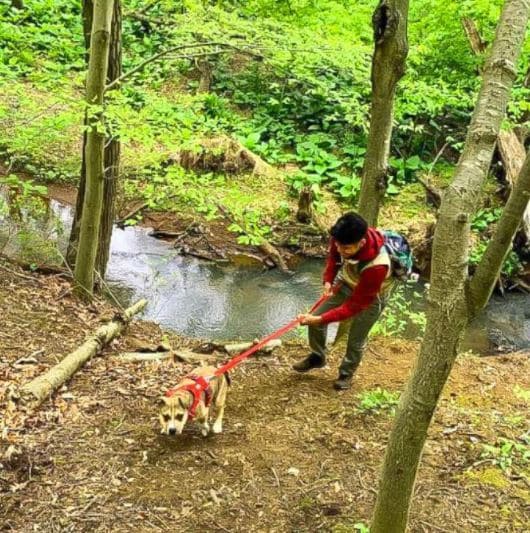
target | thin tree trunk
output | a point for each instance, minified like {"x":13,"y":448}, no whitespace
{"x":304,"y":213}
{"x":489,"y":268}
{"x":388,"y":66}
{"x":73,"y":240}
{"x":112,"y":152}
{"x":513,"y":156}
{"x":475,"y":40}
{"x":94,"y":152}
{"x":447,"y":312}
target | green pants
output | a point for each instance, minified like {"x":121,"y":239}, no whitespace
{"x":360,"y":327}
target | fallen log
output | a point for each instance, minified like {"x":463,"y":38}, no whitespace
{"x":236,"y":348}
{"x":36,"y":391}
{"x":134,"y":357}
{"x":267,"y":248}
{"x":192,"y":357}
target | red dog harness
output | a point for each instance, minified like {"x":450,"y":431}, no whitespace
{"x":200,"y":386}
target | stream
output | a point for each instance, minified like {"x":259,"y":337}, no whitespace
{"x":222,"y":302}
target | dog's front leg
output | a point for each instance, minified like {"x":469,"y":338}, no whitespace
{"x":203,"y":420}
{"x":220,"y":407}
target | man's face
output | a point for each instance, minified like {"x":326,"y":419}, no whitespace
{"x":349,"y":250}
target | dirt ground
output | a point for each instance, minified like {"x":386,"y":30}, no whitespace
{"x":295,"y":455}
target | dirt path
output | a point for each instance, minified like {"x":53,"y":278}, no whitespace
{"x":295,"y":456}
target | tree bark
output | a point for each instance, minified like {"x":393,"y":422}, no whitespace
{"x":42,"y":387}
{"x":304,"y":214}
{"x":206,"y":75}
{"x":112,"y":150}
{"x":73,"y":240}
{"x":388,"y":66}
{"x":447,"y":312}
{"x":513,"y":156}
{"x":94,"y":151}
{"x":489,"y":268}
{"x":475,"y":40}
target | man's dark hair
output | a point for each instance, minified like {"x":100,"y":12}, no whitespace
{"x":349,"y":228}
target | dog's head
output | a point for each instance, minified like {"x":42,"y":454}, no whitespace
{"x":173,"y":413}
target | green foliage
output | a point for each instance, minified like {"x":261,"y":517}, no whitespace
{"x":510,"y":267}
{"x":509,"y":454}
{"x":521,"y":393}
{"x":250,"y":227}
{"x":377,"y":400}
{"x":27,"y":222}
{"x":295,"y":88}
{"x":358,"y":527}
{"x":399,"y":314}
{"x":485,"y":217}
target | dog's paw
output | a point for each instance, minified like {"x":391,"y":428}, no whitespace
{"x":204,"y":432}
{"x":217,"y":428}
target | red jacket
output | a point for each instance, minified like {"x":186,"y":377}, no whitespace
{"x":370,"y":281}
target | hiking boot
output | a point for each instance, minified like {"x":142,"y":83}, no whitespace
{"x":311,"y":361}
{"x":343,"y":382}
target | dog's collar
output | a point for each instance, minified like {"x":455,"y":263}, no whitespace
{"x":200,"y":386}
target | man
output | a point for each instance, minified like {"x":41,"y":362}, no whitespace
{"x":360,"y":262}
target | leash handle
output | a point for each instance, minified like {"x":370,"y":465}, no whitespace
{"x":276,"y":334}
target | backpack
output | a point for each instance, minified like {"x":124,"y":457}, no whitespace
{"x":400,"y":254}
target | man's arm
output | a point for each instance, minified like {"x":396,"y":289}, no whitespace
{"x":366,"y":291}
{"x":333,"y":262}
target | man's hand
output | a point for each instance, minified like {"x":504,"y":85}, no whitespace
{"x":328,"y":290}
{"x":309,"y":320}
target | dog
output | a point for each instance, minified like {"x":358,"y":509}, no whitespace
{"x":180,"y":404}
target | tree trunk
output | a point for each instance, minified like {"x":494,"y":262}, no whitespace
{"x":206,"y":75}
{"x":475,"y":40}
{"x":447,"y":312}
{"x":94,"y":152}
{"x":73,"y":240}
{"x":112,"y":150}
{"x":42,"y":387}
{"x":388,"y":66}
{"x":304,"y":213}
{"x":513,"y":156}
{"x":489,"y":268}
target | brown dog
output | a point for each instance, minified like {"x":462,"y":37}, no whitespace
{"x":175,"y":408}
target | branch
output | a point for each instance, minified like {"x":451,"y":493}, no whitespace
{"x":163,"y":53}
{"x":478,"y":45}
{"x":488,"y":270}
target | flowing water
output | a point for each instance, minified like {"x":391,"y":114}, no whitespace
{"x":221,"y":302}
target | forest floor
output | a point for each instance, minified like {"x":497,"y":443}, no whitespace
{"x":295,"y":455}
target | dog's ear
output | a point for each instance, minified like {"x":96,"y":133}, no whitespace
{"x":181,"y":403}
{"x":161,"y":401}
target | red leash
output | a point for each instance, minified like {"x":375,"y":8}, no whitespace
{"x":256,"y":347}
{"x":200,"y":384}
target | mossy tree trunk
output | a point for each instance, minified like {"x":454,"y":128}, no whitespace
{"x":388,"y":66}
{"x":94,"y":151}
{"x":112,"y":150}
{"x":450,"y":306}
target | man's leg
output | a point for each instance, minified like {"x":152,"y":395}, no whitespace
{"x":359,"y":330}
{"x":318,"y":334}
